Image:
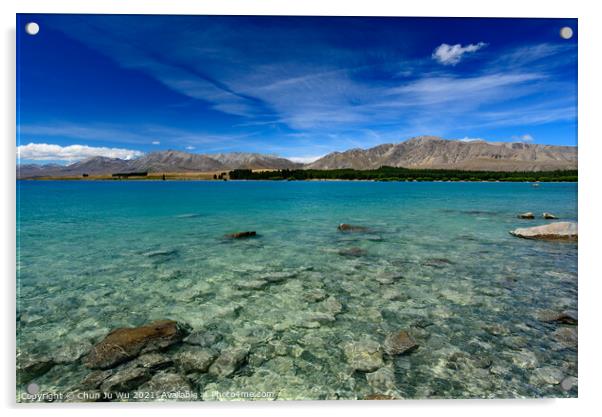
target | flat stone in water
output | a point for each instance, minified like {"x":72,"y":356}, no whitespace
{"x":567,"y":336}
{"x":564,"y":317}
{"x":72,"y":352}
{"x":547,"y":375}
{"x":95,"y":378}
{"x":154,"y":361}
{"x":525,"y":359}
{"x":253,"y":284}
{"x":363,"y":355}
{"x":554,"y":231}
{"x":229,"y":361}
{"x":126,"y":380}
{"x":331,"y":305}
{"x":194,"y":359}
{"x":168,"y":386}
{"x":204,"y":338}
{"x":161,"y":253}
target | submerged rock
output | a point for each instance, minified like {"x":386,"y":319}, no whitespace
{"x":554,"y":231}
{"x":161,"y":253}
{"x":549,"y":216}
{"x":154,"y":361}
{"x":564,"y":317}
{"x":547,"y":375}
{"x":398,"y":343}
{"x":353,"y":252}
{"x":229,"y":361}
{"x":344,"y":227}
{"x":126,"y":343}
{"x":203,"y":338}
{"x":241,"y":235}
{"x":194,"y":359}
{"x":528,"y":215}
{"x":379,"y":397}
{"x":363,"y":355}
{"x":568,"y":383}
{"x":72,"y":352}
{"x":188,"y":216}
{"x":275,"y":277}
{"x":525,"y":359}
{"x":95,"y":378}
{"x":437,"y":262}
{"x":331,"y":305}
{"x":126,"y":380}
{"x":567,"y":336}
{"x":167,"y":386}
{"x":252,"y":284}
{"x":382,"y":380}
{"x":30,"y":367}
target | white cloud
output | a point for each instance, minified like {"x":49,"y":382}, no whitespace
{"x":467,"y":139}
{"x":47,"y":152}
{"x":304,"y":159}
{"x":190,"y":148}
{"x":524,"y":138}
{"x":452,"y":54}
{"x":156,"y":142}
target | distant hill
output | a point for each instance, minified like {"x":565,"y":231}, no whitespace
{"x":437,"y":153}
{"x":419,"y":152}
{"x":164,"y":161}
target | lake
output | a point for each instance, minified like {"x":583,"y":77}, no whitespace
{"x":437,"y":261}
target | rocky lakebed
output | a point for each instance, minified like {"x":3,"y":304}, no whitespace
{"x":419,"y":304}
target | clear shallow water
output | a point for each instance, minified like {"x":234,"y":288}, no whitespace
{"x":439,"y":263}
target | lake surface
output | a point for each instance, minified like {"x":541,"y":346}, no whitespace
{"x":438,"y":261}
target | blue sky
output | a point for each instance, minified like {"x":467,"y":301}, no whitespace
{"x":298,"y":87}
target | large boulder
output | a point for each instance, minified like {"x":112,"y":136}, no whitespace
{"x":554,"y":231}
{"x":549,"y":216}
{"x":528,"y":215}
{"x":127,"y":343}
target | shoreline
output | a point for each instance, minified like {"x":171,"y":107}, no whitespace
{"x":184,"y":179}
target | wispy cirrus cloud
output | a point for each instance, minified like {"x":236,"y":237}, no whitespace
{"x":259,"y":77}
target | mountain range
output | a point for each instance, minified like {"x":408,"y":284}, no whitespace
{"x":419,"y":152}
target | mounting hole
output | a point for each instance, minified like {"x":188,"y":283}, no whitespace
{"x":566,"y":33}
{"x":32,"y":28}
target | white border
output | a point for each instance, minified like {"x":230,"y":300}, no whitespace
{"x":590,"y":210}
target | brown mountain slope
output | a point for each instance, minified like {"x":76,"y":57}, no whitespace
{"x":437,"y":153}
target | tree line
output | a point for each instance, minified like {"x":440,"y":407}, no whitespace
{"x":404,"y":174}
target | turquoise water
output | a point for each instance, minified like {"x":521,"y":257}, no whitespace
{"x":438,"y":262}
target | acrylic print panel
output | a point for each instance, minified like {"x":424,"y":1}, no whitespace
{"x":295,"y":208}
